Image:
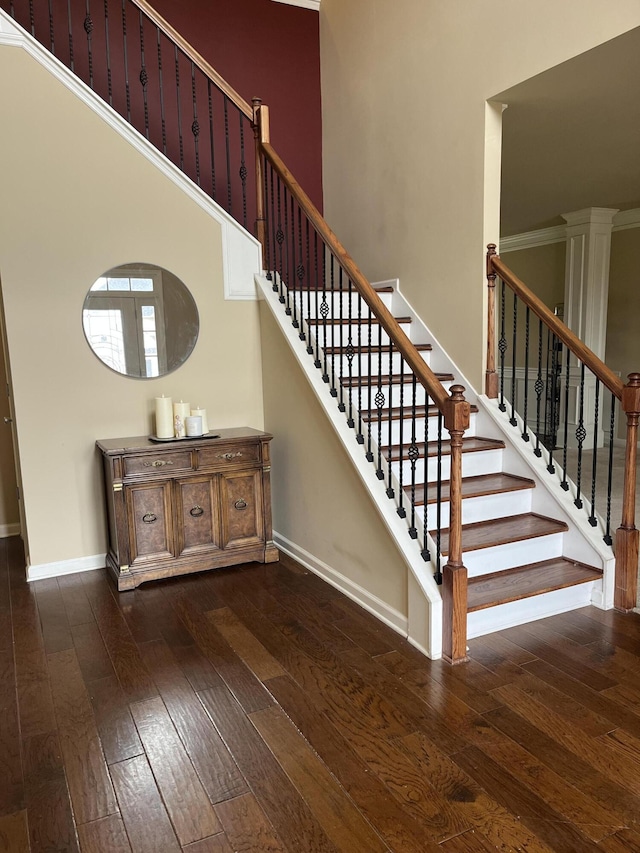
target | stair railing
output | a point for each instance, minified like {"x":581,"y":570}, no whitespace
{"x":553,"y":389}
{"x":143,"y":68}
{"x":371,"y":368}
{"x":130,"y":56}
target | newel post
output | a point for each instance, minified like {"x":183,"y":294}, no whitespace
{"x":627,"y":534}
{"x":261,"y":135}
{"x":491,"y":377}
{"x":454,"y":575}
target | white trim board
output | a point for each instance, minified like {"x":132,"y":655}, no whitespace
{"x":7,"y":530}
{"x":66,"y":567}
{"x":303,"y":4}
{"x":241,"y":252}
{"x":622,"y":221}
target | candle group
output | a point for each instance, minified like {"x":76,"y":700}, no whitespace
{"x":179,"y":420}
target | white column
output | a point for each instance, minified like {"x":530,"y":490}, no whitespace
{"x":586,"y":294}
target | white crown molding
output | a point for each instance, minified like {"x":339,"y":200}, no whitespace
{"x":622,"y":221}
{"x":303,"y":4}
{"x":241,"y":252}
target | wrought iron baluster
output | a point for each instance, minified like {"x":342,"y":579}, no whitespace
{"x":502,"y":345}
{"x":350,"y":355}
{"x":144,"y":79}
{"x":324,"y":313}
{"x":292,"y":275}
{"x":413,"y":454}
{"x":539,"y":385}
{"x":195,"y":125}
{"x":243,"y":172}
{"x":594,"y":472}
{"x":369,"y":453}
{"x":287,"y":252}
{"x":308,"y":286}
{"x":70,"y":26}
{"x":553,"y":402}
{"x":401,"y":510}
{"x":390,"y":491}
{"x":512,"y":419}
{"x":108,"y":52}
{"x":426,"y":553}
{"x":228,"y":150}
{"x":341,"y":348}
{"x":317,"y":361}
{"x":280,"y":241}
{"x":51,"y":32}
{"x":439,"y":503}
{"x":567,"y":375}
{"x":525,"y":414}
{"x":334,"y":346}
{"x":359,"y":435}
{"x":212,"y":144}
{"x":179,"y":105}
{"x":267,"y":217}
{"x":88,"y":28}
{"x":612,"y":426}
{"x":300,"y":274}
{"x":274,"y":231}
{"x":32,"y":22}
{"x":581,"y":434}
{"x":126,"y":61}
{"x":380,"y":401}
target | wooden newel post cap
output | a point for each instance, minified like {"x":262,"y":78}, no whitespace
{"x":491,"y":253}
{"x":256,"y":103}
{"x":457,"y":414}
{"x":631,"y":394}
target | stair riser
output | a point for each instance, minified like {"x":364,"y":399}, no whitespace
{"x":373,"y":334}
{"x":391,"y":430}
{"x":473,"y":464}
{"x":512,"y":554}
{"x":491,"y":619}
{"x":481,"y":508}
{"x":310,"y":308}
{"x":365,"y":364}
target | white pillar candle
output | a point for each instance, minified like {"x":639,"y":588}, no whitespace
{"x":180,"y":412}
{"x":193,"y":425}
{"x":164,"y":417}
{"x":197,"y":412}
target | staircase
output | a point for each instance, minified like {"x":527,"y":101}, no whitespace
{"x":522,"y":563}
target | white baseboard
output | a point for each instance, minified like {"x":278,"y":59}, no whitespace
{"x":7,"y":530}
{"x":66,"y":567}
{"x":374,"y":605}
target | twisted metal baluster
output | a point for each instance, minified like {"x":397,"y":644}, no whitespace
{"x":309,"y":346}
{"x":592,"y":518}
{"x":179,"y":105}
{"x":359,"y":434}
{"x":539,"y":385}
{"x":554,"y":393}
{"x":564,"y":484}
{"x":88,"y":28}
{"x":212,"y":144}
{"x":581,"y":434}
{"x":163,"y":120}
{"x":369,"y":453}
{"x":195,"y":126}
{"x":425,"y":553}
{"x":288,"y":253}
{"x":317,"y":362}
{"x":70,"y":26}
{"x":225,"y":102}
{"x":51,"y":33}
{"x":32,"y":22}
{"x":324,"y":312}
{"x":280,"y":241}
{"x":400,"y":509}
{"x":390,"y":491}
{"x":612,"y":425}
{"x":294,"y":279}
{"x":525,"y":433}
{"x":127,"y":87}
{"x":268,"y":211}
{"x":380,"y":401}
{"x":274,"y":233}
{"x":341,"y":348}
{"x":334,"y":390}
{"x":243,"y":172}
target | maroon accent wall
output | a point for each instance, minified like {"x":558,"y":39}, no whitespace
{"x":272,"y":51}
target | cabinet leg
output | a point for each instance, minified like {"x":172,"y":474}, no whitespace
{"x":271,"y":553}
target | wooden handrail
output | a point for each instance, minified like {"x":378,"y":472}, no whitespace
{"x":195,"y":57}
{"x":559,"y":329}
{"x":423,"y":372}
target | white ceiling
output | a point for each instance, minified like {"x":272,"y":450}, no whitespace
{"x":571,"y":137}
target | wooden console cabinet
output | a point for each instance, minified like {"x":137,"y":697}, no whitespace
{"x":187,"y":505}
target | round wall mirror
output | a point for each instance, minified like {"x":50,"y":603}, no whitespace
{"x":140,"y":320}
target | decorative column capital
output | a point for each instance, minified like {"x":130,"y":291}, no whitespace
{"x":590,"y":216}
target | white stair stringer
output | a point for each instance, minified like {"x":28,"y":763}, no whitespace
{"x":424,"y":618}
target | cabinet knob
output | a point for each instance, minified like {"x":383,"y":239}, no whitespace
{"x":149,"y":518}
{"x":240,"y":504}
{"x":196,"y":511}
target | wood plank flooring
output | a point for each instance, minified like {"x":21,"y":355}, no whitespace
{"x":257,"y":709}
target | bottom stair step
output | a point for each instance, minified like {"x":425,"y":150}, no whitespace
{"x":526,"y":581}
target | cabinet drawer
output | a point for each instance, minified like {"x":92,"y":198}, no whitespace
{"x":223,"y":455}
{"x":164,"y":464}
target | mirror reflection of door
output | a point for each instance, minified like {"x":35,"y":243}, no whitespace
{"x":122,"y":316}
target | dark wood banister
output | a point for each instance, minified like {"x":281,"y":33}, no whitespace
{"x":559,"y":329}
{"x":423,"y":372}
{"x":195,"y":57}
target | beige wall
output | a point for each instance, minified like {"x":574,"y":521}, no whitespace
{"x":76,"y":200}
{"x":319,"y":502}
{"x":623,"y":336}
{"x":542,"y":269}
{"x":404,"y":89}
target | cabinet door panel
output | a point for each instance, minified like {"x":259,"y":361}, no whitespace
{"x":149,"y":513}
{"x":241,"y":499}
{"x":198,"y":515}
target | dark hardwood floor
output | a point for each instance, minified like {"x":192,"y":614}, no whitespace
{"x":257,"y":709}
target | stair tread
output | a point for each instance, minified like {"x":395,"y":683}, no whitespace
{"x":408,"y":412}
{"x":526,"y":581}
{"x":473,"y":487}
{"x":351,"y":321}
{"x":469,"y":445}
{"x":384,"y":348}
{"x":393,"y":379}
{"x":501,"y":531}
